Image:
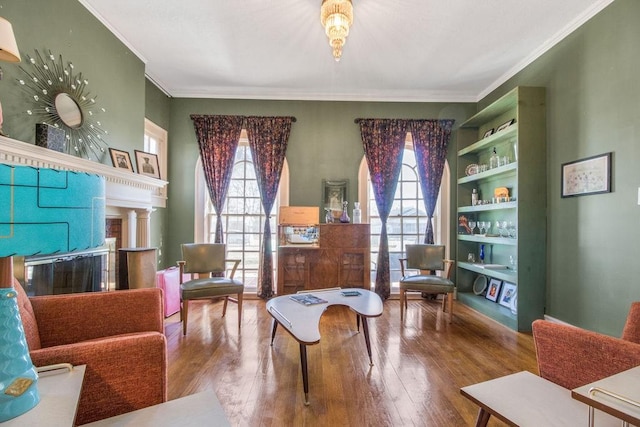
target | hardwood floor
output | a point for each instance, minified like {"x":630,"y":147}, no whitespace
{"x":417,"y":374}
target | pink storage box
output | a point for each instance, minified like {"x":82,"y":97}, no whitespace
{"x":169,"y":281}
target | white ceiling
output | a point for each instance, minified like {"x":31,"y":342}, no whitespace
{"x":402,"y":50}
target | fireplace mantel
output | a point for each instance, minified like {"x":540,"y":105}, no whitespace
{"x":124,"y":189}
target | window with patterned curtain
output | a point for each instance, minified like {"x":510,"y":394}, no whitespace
{"x":243,"y":217}
{"x":407,"y":220}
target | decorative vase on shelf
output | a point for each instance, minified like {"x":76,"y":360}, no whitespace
{"x":344,"y":218}
{"x":482,"y":254}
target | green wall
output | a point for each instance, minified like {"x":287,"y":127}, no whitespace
{"x":593,"y":106}
{"x":324,"y":144}
{"x":158,"y":106}
{"x":115,"y":74}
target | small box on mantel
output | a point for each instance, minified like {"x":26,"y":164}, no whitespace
{"x":299,"y":215}
{"x":51,"y":137}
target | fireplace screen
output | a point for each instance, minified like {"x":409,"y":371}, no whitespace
{"x":64,"y":273}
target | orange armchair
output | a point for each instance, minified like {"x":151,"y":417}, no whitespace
{"x":118,"y":335}
{"x":572,"y":357}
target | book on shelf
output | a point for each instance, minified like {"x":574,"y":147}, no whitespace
{"x":307,"y":299}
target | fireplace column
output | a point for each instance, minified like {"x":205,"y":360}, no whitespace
{"x":143,"y":234}
{"x":131,"y":228}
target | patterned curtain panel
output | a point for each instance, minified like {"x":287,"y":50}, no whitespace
{"x":218,"y":138}
{"x":268,"y":138}
{"x":383,"y":141}
{"x":430,"y":141}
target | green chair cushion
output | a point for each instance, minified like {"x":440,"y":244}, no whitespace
{"x":427,"y":283}
{"x":210,"y":287}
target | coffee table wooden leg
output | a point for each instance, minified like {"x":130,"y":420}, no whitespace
{"x":358,"y":322}
{"x":305,"y":373}
{"x":274,"y":326}
{"x":483,"y":418}
{"x":365,"y":328}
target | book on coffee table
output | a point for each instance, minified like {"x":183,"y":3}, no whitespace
{"x":307,"y":299}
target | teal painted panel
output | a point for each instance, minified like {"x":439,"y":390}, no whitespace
{"x":45,"y":211}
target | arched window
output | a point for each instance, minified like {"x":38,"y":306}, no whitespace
{"x":407,"y":220}
{"x":243,"y":216}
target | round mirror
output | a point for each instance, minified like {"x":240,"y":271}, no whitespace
{"x":68,"y":110}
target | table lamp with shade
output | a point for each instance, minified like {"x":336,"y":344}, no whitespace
{"x":8,"y":50}
{"x":42,"y":211}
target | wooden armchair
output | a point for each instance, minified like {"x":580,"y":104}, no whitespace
{"x":208,"y":261}
{"x":427,"y":259}
{"x":118,"y":335}
{"x":572,"y":357}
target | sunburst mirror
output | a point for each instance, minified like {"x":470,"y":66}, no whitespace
{"x":62,"y":100}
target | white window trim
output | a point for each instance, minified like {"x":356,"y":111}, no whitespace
{"x":160,"y":135}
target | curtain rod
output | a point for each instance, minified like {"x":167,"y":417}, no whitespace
{"x":293,"y":119}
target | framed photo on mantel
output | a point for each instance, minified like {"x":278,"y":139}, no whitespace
{"x":121,"y":159}
{"x":147,"y":164}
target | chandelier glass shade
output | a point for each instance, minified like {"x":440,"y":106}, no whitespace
{"x":336,"y":17}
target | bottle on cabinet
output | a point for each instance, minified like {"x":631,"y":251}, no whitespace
{"x":344,"y":218}
{"x":474,"y":197}
{"x":357,"y":213}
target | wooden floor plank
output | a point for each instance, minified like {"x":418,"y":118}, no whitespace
{"x":419,"y":365}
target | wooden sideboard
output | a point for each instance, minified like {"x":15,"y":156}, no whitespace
{"x":341,"y":258}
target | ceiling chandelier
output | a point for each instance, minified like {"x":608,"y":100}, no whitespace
{"x":336,"y":17}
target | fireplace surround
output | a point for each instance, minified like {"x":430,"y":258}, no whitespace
{"x":130,"y":198}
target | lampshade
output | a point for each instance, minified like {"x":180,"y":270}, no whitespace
{"x":8,"y":46}
{"x":42,"y":211}
{"x":336,"y":17}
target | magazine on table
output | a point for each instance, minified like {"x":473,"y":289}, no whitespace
{"x":307,"y":299}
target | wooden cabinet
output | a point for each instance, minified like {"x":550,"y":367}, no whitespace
{"x":519,"y":253}
{"x":341,"y":258}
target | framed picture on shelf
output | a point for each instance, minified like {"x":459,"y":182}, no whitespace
{"x":507,"y":294}
{"x":505,"y":125}
{"x":121,"y":159}
{"x":147,"y":164}
{"x":333,"y":194}
{"x":488,"y":133}
{"x":493,"y":291}
{"x":591,"y":175}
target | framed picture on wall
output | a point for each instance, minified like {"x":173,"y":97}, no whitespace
{"x":147,"y":164}
{"x":591,"y":175}
{"x":121,"y":159}
{"x":493,"y":291}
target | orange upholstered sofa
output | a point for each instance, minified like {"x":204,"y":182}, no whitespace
{"x":572,"y":357}
{"x":118,"y":335}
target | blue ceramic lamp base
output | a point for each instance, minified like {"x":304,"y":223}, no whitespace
{"x":18,"y":376}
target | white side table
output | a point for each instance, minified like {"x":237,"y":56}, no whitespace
{"x":196,"y":410}
{"x":618,"y":395}
{"x":59,"y":395}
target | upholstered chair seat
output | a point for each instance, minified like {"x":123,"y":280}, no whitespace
{"x":572,"y":357}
